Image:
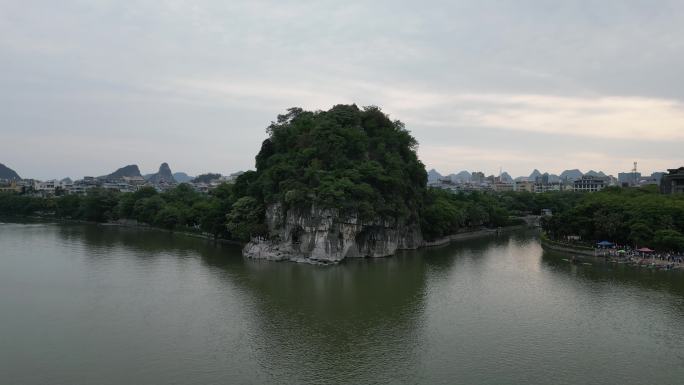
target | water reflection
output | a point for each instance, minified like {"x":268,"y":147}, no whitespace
{"x":310,"y":323}
{"x":613,"y":274}
{"x":345,"y":322}
{"x":163,"y":308}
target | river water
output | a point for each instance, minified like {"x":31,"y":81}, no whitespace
{"x":85,"y":304}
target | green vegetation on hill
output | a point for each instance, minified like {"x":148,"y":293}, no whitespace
{"x":355,"y":160}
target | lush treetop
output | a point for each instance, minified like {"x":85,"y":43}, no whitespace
{"x":355,"y":160}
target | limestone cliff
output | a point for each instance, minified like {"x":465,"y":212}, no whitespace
{"x":322,"y":235}
{"x":164,"y":175}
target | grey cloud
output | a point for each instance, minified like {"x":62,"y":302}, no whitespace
{"x":102,"y":71}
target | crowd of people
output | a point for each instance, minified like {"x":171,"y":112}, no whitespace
{"x":642,"y":257}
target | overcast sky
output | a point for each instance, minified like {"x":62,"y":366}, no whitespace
{"x":89,"y":86}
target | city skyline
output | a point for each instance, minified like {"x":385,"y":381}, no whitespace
{"x":154,"y":169}
{"x":590,"y":85}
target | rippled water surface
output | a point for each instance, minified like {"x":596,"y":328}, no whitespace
{"x":84,"y":304}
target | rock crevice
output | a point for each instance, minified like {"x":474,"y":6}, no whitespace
{"x":320,"y":235}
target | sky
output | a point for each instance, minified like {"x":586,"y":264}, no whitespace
{"x":90,"y":86}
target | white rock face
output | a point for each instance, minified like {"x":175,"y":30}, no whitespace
{"x":322,"y":236}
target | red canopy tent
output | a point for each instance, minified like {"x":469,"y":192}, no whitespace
{"x":645,"y":250}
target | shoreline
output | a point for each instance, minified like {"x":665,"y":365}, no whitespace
{"x":126,"y":224}
{"x":555,"y":246}
{"x":466,"y":235}
{"x":593,"y":254}
{"x":443,"y":241}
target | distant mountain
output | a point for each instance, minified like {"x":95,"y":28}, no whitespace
{"x":506,"y":178}
{"x":571,"y":175}
{"x":434,"y":176}
{"x":163,"y":175}
{"x":463,"y":176}
{"x":131,"y":170}
{"x":534,"y":175}
{"x":182,"y":177}
{"x":598,"y":174}
{"x":7,"y":173}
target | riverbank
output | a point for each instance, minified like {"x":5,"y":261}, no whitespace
{"x":135,"y":224}
{"x":566,"y":248}
{"x":605,"y":256}
{"x":120,"y":223}
{"x":443,"y":241}
{"x":470,"y":234}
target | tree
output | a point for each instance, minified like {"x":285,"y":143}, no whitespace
{"x":355,"y":160}
{"x":99,"y":205}
{"x":670,"y":240}
{"x":246,"y":219}
{"x":169,"y":217}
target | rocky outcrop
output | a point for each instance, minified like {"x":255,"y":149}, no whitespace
{"x":131,"y":170}
{"x":164,"y":175}
{"x":321,"y":235}
{"x":7,"y":173}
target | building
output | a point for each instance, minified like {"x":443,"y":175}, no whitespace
{"x":501,"y":186}
{"x":134,"y":180}
{"x":11,"y":187}
{"x":589,"y":183}
{"x":626,"y":179}
{"x":673,"y":181}
{"x":46,"y":188}
{"x":477,"y":177}
{"x":523,"y":186}
{"x":546,"y":187}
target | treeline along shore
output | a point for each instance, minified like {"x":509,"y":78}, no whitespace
{"x":221,"y":215}
{"x":633,"y":217}
{"x":629,"y":216}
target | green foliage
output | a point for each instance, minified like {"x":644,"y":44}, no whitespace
{"x":180,"y":208}
{"x":670,"y":240}
{"x":639,"y":217}
{"x":169,"y":217}
{"x":12,"y":204}
{"x":206,"y":178}
{"x":446,"y":213}
{"x":246,"y":219}
{"x":351,"y":159}
{"x":98,"y":205}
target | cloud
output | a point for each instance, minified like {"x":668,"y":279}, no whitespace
{"x":609,"y":117}
{"x":490,"y":76}
{"x":604,"y":117}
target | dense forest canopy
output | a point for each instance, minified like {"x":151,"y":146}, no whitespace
{"x":355,"y":160}
{"x":636,"y":217}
